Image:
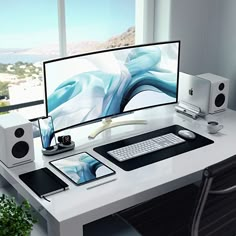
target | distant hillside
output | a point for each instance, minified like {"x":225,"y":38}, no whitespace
{"x":50,"y":51}
{"x":124,"y":39}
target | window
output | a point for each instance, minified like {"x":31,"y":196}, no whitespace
{"x":29,"y":32}
{"x":32,"y":32}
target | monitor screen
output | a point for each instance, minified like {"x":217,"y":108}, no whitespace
{"x":89,"y":87}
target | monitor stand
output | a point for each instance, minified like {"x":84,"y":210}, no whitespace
{"x":107,"y":123}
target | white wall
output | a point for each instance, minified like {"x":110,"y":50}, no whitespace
{"x":191,"y":21}
{"x":207,"y":32}
{"x":227,"y":46}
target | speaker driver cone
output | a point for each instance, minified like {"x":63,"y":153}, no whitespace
{"x":220,"y":99}
{"x":20,"y":149}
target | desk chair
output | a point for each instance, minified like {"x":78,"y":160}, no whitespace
{"x":208,"y":209}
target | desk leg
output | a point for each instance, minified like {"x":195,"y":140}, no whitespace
{"x":66,"y":228}
{"x":3,"y":182}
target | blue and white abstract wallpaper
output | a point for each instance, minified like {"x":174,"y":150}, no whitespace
{"x":88,"y":87}
{"x":47,"y":132}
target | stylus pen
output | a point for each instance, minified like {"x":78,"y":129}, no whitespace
{"x":94,"y":186}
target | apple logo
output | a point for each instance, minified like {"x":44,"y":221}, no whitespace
{"x":190,"y":91}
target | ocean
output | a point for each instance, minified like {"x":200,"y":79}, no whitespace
{"x":11,"y":58}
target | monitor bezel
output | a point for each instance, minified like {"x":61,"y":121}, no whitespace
{"x":109,"y":50}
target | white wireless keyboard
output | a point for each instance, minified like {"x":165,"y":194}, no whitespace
{"x":145,"y":147}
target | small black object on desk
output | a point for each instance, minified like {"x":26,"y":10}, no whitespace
{"x":59,"y":148}
{"x":64,"y":139}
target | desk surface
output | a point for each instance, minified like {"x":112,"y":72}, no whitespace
{"x":68,"y":211}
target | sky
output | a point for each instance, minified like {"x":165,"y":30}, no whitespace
{"x":28,"y":23}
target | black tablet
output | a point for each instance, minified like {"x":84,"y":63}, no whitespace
{"x":82,"y":168}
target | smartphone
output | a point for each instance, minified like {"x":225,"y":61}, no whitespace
{"x":47,"y":134}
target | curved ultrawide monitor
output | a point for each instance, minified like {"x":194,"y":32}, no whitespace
{"x":89,"y":87}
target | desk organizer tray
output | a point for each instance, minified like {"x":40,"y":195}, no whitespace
{"x":159,"y":155}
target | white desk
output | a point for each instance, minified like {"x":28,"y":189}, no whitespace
{"x":68,"y":211}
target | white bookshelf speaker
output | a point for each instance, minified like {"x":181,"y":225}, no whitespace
{"x":16,"y":140}
{"x":219,"y":92}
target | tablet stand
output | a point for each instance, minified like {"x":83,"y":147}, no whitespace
{"x":58,"y":148}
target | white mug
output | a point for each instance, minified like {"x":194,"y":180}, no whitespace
{"x":213,"y":127}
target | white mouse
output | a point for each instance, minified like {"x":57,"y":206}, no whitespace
{"x":187,"y":134}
